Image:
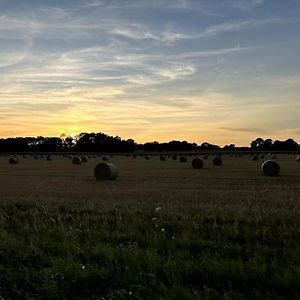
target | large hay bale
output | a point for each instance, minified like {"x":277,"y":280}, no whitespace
{"x":270,"y":168}
{"x":76,"y":160}
{"x":217,"y":161}
{"x":183,"y":159}
{"x":13,"y":160}
{"x":106,"y":171}
{"x":197,"y":163}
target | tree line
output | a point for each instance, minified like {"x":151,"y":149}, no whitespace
{"x":101,"y":142}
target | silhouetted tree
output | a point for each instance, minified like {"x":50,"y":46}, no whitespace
{"x":101,"y":142}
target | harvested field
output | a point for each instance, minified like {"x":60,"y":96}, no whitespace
{"x":159,"y":231}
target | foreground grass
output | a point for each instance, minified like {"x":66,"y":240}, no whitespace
{"x":193,"y":250}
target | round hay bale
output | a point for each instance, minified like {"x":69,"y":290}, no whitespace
{"x":273,"y":156}
{"x":147,"y":157}
{"x":217,"y":161}
{"x":104,"y":158}
{"x":76,"y":160}
{"x":255,"y":158}
{"x":183,"y":159}
{"x":162,"y":158}
{"x":197,"y":163}
{"x":84,"y":159}
{"x":174,"y":157}
{"x":106,"y":171}
{"x":270,"y":168}
{"x":49,"y":158}
{"x":13,"y":161}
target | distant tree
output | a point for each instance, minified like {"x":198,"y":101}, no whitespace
{"x":267,"y":145}
{"x":257,"y":144}
{"x":229,"y":147}
{"x":208,"y":146}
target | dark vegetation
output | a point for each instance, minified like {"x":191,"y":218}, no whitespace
{"x":100,"y":142}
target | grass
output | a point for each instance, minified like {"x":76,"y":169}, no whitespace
{"x":161,"y":231}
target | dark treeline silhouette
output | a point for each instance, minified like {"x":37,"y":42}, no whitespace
{"x":100,"y":142}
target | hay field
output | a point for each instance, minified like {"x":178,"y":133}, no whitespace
{"x":162,"y":230}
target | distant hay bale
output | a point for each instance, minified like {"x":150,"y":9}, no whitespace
{"x":13,"y":160}
{"x":104,"y":158}
{"x":270,"y":168}
{"x":183,"y":159}
{"x":147,"y":157}
{"x":84,"y":159}
{"x":217,"y":161}
{"x":106,"y":171}
{"x":255,"y":158}
{"x":174,"y":157}
{"x":48,"y":158}
{"x":274,"y":156}
{"x":76,"y":160}
{"x":197,"y":163}
{"x":162,"y":158}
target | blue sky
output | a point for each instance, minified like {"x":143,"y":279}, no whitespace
{"x":223,"y":71}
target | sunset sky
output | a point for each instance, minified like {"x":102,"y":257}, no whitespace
{"x":222,"y":71}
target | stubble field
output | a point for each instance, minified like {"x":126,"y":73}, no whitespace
{"x":162,"y":230}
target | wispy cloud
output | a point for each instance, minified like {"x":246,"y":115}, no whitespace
{"x":247,"y":130}
{"x":247,"y":4}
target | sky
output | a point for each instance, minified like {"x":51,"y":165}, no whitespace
{"x":218,"y":71}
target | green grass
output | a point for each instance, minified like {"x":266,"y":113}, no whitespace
{"x":221,"y":233}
